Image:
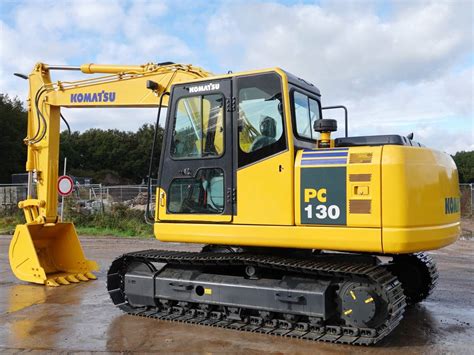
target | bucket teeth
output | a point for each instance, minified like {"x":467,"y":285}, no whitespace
{"x":72,"y":278}
{"x":68,"y":279}
{"x":90,"y":276}
{"x":62,"y":280}
{"x":51,"y":283}
{"x":82,"y":277}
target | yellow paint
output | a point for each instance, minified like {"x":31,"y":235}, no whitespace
{"x":415,"y":183}
{"x":208,"y":291}
{"x":313,"y":237}
{"x":349,"y":311}
{"x":49,"y":255}
{"x":320,"y":195}
{"x":309,"y":194}
{"x":414,"y":239}
{"x":353,"y":295}
{"x":371,"y":191}
{"x":264,"y":193}
{"x":361,"y":190}
{"x":368,"y":300}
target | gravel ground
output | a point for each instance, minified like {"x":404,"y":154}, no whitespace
{"x":80,"y":317}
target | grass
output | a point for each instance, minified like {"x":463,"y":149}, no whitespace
{"x":95,"y":231}
{"x":9,"y":220}
{"x":120,"y":221}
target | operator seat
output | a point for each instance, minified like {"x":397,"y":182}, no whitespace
{"x":268,"y":130}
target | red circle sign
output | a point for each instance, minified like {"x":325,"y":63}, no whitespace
{"x":65,"y":185}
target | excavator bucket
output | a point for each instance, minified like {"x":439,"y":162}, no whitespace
{"x":49,"y":254}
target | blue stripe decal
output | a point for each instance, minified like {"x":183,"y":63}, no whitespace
{"x":325,"y":150}
{"x":324,"y":162}
{"x":324,"y":154}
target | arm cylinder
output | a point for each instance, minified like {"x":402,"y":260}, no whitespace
{"x":111,"y":69}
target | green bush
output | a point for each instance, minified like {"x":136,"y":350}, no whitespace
{"x":120,"y":221}
{"x":9,"y":218}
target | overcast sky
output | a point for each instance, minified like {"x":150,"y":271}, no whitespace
{"x":400,"y":67}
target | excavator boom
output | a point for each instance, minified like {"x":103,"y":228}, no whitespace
{"x":46,"y":250}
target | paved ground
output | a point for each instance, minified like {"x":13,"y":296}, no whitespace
{"x":80,"y":317}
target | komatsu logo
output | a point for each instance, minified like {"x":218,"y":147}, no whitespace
{"x":452,"y":205}
{"x":207,"y":87}
{"x":102,"y":96}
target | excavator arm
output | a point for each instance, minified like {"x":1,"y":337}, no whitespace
{"x":45,"y":250}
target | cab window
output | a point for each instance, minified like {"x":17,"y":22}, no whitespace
{"x":306,"y":111}
{"x":260,"y":117}
{"x":201,"y":194}
{"x":198,"y":130}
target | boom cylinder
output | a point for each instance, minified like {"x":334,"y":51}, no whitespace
{"x":111,"y":69}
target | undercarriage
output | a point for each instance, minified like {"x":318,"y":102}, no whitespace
{"x":332,"y":297}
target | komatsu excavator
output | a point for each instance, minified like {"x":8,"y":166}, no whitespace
{"x":305,"y":235}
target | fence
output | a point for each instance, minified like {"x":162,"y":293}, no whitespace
{"x":467,"y":199}
{"x":11,"y":194}
{"x":97,"y":198}
{"x":91,"y":198}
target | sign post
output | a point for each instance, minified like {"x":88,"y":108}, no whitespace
{"x":65,"y":187}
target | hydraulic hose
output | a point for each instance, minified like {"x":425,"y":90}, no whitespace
{"x":67,"y":124}
{"x":149,"y":219}
{"x":38,"y":95}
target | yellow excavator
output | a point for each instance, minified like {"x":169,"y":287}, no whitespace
{"x":305,"y":235}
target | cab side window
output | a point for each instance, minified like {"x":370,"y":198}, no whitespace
{"x":202,"y":194}
{"x":199,"y":127}
{"x":306,"y":111}
{"x":260,"y":117}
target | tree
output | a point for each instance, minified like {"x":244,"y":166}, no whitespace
{"x":465,"y":164}
{"x":13,"y":122}
{"x":111,"y":156}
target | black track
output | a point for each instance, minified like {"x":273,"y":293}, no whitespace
{"x":417,"y":273}
{"x":325,"y":266}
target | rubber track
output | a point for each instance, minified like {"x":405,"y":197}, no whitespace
{"x":328,"y":266}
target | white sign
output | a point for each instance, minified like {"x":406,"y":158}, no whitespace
{"x":65,"y":185}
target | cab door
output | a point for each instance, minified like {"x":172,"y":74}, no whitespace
{"x":196,"y":177}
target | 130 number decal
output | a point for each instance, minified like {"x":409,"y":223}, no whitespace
{"x":323,"y":211}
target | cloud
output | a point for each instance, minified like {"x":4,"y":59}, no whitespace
{"x":347,"y":53}
{"x":397,"y":71}
{"x":399,"y":66}
{"x":77,"y":31}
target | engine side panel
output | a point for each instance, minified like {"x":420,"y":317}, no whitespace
{"x":421,"y":199}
